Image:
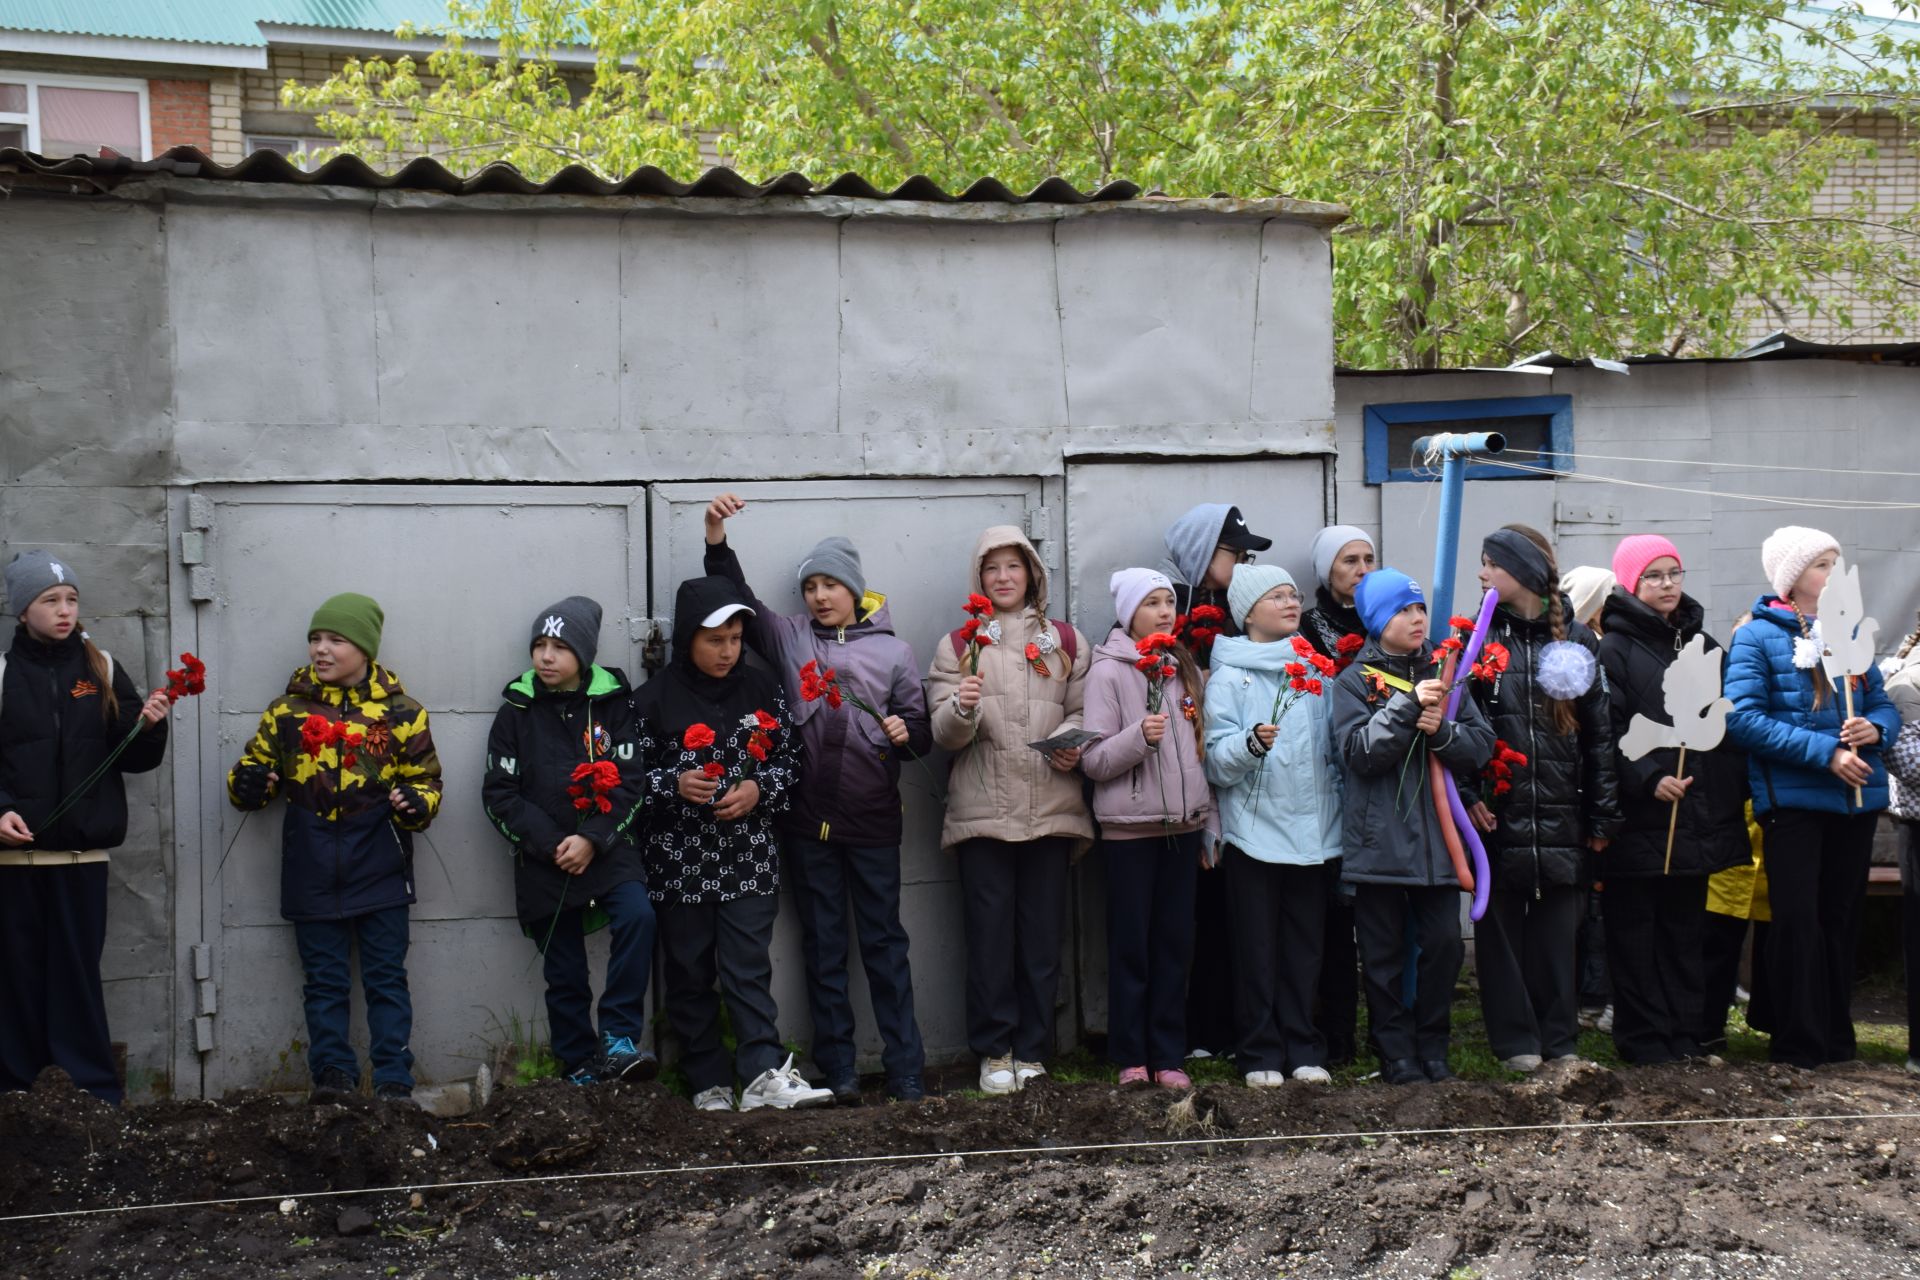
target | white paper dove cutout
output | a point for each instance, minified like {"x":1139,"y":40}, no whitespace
{"x":1846,"y":633}
{"x":1691,"y":688}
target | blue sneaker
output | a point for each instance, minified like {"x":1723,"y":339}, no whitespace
{"x":621,"y":1060}
{"x":583,"y":1076}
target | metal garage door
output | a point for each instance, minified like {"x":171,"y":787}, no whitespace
{"x":915,"y":537}
{"x":459,"y":570}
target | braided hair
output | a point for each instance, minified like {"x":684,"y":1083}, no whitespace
{"x":1565,"y":719}
{"x":1912,"y":638}
{"x":1822,"y":686}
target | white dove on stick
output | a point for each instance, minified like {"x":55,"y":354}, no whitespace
{"x":1691,"y":687}
{"x":1847,"y":635}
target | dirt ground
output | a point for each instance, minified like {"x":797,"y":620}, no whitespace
{"x":1790,"y":1196}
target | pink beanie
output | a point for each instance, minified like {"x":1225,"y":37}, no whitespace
{"x":1633,"y":555}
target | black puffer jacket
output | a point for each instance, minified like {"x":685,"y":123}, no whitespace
{"x":1711,"y":835}
{"x":52,"y":736}
{"x":1328,"y":623}
{"x":1568,"y":791}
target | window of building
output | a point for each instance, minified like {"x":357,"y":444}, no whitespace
{"x":298,"y":150}
{"x":1538,"y":430}
{"x":61,"y":116}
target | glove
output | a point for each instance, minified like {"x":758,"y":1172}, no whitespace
{"x":250,"y":784}
{"x":413,"y":803}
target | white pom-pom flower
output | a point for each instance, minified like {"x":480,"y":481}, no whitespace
{"x":1806,"y":653}
{"x":1565,"y":669}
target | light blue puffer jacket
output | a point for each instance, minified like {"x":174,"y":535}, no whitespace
{"x":1284,"y":807}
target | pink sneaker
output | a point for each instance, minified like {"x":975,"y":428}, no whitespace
{"x":1133,"y":1075}
{"x":1173,"y":1079}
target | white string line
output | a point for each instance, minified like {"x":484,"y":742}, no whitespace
{"x":1703,"y":462}
{"x":917,"y":1157}
{"x":1811,"y":504}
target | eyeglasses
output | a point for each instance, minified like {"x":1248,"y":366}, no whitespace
{"x":1285,"y":595}
{"x":1239,"y":556}
{"x":1674,"y":576}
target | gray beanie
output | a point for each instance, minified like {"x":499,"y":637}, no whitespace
{"x":32,"y":572}
{"x":836,"y":558}
{"x":574,"y":622}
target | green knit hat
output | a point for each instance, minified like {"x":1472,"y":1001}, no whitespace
{"x":356,"y":617}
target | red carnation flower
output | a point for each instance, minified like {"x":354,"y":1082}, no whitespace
{"x":712,"y":769}
{"x":766,"y":722}
{"x":697,"y":737}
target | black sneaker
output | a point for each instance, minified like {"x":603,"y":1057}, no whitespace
{"x":394,"y":1091}
{"x":907,"y":1089}
{"x":1437,"y":1070}
{"x":1404,"y":1071}
{"x":846,"y":1092}
{"x":332,"y":1087}
{"x":583,"y":1075}
{"x":621,"y":1060}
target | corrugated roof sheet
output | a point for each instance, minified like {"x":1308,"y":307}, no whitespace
{"x":232,"y":22}
{"x":504,"y":179}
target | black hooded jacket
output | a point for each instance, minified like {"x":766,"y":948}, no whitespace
{"x":693,"y":857}
{"x":539,"y":738}
{"x":52,"y":736}
{"x":1711,"y":833}
{"x":1568,"y":791}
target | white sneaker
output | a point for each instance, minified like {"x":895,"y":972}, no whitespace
{"x":1913,"y":1065}
{"x":1024,"y":1073}
{"x":1312,"y":1075}
{"x":996,"y":1075}
{"x":1265,"y":1079}
{"x":1527,"y":1062}
{"x":718,"y":1098}
{"x":782,"y":1087}
{"x":1605,"y":1022}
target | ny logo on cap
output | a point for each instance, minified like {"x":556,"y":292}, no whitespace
{"x":553,"y":626}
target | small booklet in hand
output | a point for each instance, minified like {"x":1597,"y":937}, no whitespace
{"x":1065,"y":741}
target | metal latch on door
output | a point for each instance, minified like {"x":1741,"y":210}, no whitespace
{"x":206,"y":997}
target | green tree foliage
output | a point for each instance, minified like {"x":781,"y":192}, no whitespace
{"x":1594,"y":176}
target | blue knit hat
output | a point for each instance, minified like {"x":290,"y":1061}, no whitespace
{"x":1383,"y":593}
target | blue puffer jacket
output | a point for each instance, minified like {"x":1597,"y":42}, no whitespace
{"x":1788,"y":742}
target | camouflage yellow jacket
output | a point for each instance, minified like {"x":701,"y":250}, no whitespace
{"x":338,"y":753}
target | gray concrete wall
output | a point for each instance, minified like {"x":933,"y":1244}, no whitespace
{"x":237,"y":344}
{"x":1856,"y":420}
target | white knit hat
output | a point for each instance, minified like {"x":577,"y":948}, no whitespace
{"x":1788,"y":551}
{"x":1129,"y":588}
{"x":1250,"y":582}
{"x":1329,"y":542}
{"x":1587,"y":586}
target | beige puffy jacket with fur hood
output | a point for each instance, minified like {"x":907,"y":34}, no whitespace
{"x":1000,"y":788}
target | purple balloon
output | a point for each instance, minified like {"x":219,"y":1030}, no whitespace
{"x":1482,"y":872}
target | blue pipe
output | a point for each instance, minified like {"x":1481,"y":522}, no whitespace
{"x":1454,"y":448}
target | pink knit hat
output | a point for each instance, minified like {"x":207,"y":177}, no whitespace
{"x":1634,"y":554}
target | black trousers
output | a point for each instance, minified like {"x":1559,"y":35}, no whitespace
{"x":53,"y":927}
{"x":1910,"y":927}
{"x":1279,"y":913}
{"x":1210,"y":1023}
{"x":1523,"y":951}
{"x":1817,"y":867}
{"x":1014,"y":900}
{"x":1149,"y":947}
{"x":1336,"y":1015}
{"x":728,"y":941}
{"x":1656,"y":953}
{"x":1381,"y":914}
{"x":1725,"y":938}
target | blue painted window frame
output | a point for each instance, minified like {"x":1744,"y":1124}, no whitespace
{"x":1378,"y":417}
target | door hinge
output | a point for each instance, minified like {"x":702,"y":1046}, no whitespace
{"x":193,"y":548}
{"x":653,"y":649}
{"x":1039,"y":524}
{"x":206,"y":997}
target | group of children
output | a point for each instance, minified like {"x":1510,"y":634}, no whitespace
{"x":1266,"y":781}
